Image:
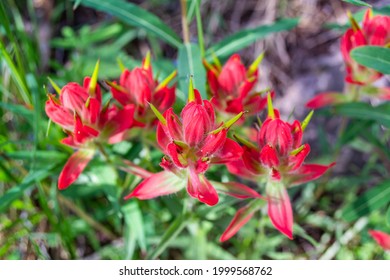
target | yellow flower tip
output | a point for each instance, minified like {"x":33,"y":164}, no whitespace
{"x":191,"y":92}
{"x":217,"y":62}
{"x":297,"y":150}
{"x":116,"y":86}
{"x":307,"y":120}
{"x":166,"y":81}
{"x":94,"y":79}
{"x":146,"y":63}
{"x":159,"y":116}
{"x":54,"y":85}
{"x":245,"y":142}
{"x":252,"y":69}
{"x":228,"y":124}
{"x":354,"y":24}
{"x":271,"y":112}
{"x":120,"y":64}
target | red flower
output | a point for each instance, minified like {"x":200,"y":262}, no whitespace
{"x":80,"y":113}
{"x":231,"y":86}
{"x":376,"y":32}
{"x":138,"y":87}
{"x":279,"y":156}
{"x":383,"y":239}
{"x":192,"y":143}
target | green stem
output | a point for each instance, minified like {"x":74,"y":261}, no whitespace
{"x":186,"y":33}
{"x":199,"y":27}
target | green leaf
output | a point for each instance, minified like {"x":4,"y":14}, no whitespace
{"x":364,"y":111}
{"x":369,"y":201}
{"x":190,"y":63}
{"x":246,"y":37}
{"x":377,"y":58}
{"x":136,"y":16}
{"x":176,"y":227}
{"x":17,"y":191}
{"x":388,"y":216}
{"x":357,"y":3}
{"x":135,"y":225}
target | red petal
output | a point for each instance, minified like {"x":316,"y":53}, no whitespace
{"x":175,"y":152}
{"x":236,"y":190}
{"x":238,"y":168}
{"x":296,"y":161}
{"x":162,"y":183}
{"x":73,"y":167}
{"x":326,"y":99}
{"x":269,"y":157}
{"x":213,"y":143}
{"x":279,"y":208}
{"x":59,"y":114}
{"x":73,"y":97}
{"x":200,"y":188}
{"x":383,"y":239}
{"x":123,"y":98}
{"x":119,"y":121}
{"x":308,"y":172}
{"x":174,"y":125}
{"x":230,"y":151}
{"x":164,"y":98}
{"x":241,"y":217}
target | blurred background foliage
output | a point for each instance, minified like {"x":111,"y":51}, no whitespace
{"x":63,"y":39}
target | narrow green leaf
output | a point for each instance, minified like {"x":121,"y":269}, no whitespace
{"x":176,"y":227}
{"x":134,"y":222}
{"x":377,"y":58}
{"x":190,"y":64}
{"x":369,"y":201}
{"x":136,"y":16}
{"x":17,"y":191}
{"x":364,"y":111}
{"x":357,"y":3}
{"x":246,"y":37}
{"x":388,"y":216}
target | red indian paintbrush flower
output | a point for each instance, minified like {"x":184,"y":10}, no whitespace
{"x":231,"y":86}
{"x":382,"y":238}
{"x":278,"y":157}
{"x":138,"y":87}
{"x":375,"y":31}
{"x":80,"y":113}
{"x":191,"y":143}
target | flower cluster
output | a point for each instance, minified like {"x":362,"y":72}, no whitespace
{"x":191,"y":141}
{"x":375,"y":31}
{"x":232,"y":86}
{"x":278,"y":157}
{"x":79,"y":111}
{"x":139,"y":88}
{"x":191,"y":144}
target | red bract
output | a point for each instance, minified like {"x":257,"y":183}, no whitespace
{"x":278,"y":156}
{"x":191,"y":143}
{"x":80,"y":113}
{"x":138,"y":87}
{"x":231,"y":86}
{"x":382,"y":238}
{"x":375,"y":31}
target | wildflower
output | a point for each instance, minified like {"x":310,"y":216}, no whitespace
{"x":382,"y":238}
{"x":191,"y":143}
{"x":232,"y":86}
{"x":278,"y":158}
{"x":138,"y":87}
{"x":375,"y":31}
{"x":80,"y":113}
